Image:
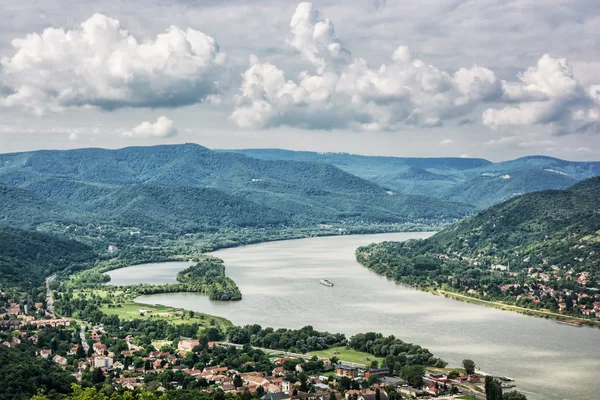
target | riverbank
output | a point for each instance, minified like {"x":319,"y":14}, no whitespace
{"x":361,"y":300}
{"x":560,"y":318}
{"x":565,"y":319}
{"x":191,"y":248}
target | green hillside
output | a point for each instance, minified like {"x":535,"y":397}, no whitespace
{"x":26,"y":209}
{"x":466,"y":180}
{"x":537,"y":250}
{"x":27,"y":257}
{"x":486,"y":190}
{"x":189,"y":187}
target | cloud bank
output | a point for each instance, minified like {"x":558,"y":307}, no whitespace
{"x":347,"y":92}
{"x":100,"y":64}
{"x":549,"y":95}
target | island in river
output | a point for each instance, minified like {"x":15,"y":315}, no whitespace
{"x":279,"y":281}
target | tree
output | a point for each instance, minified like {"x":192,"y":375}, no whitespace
{"x":493,"y":389}
{"x":469,"y":366}
{"x":373,"y":379}
{"x":294,"y":392}
{"x":487,"y":386}
{"x":413,"y":374}
{"x":377,"y":394}
{"x":80,"y":353}
{"x":237,"y":381}
{"x":332,"y":396}
{"x":374,"y":364}
{"x":97,"y":376}
{"x":344,"y":383}
{"x":220,"y":395}
{"x":514,"y":395}
{"x":453,"y":374}
{"x":303,"y":382}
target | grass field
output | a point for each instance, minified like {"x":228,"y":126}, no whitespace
{"x":352,"y":356}
{"x":98,"y":292}
{"x":172,"y":315}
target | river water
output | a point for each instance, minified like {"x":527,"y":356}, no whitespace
{"x":280,"y":288}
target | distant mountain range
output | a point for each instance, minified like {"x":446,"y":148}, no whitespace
{"x":474,"y":181}
{"x":184,"y":188}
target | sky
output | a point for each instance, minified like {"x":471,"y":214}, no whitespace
{"x":497,"y":79}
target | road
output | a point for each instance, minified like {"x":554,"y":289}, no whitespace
{"x":84,"y":343}
{"x":49,"y":296}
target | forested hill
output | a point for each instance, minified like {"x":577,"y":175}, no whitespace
{"x":27,"y":257}
{"x":189,"y":187}
{"x":525,"y":220}
{"x":467,"y":180}
{"x":529,"y":249}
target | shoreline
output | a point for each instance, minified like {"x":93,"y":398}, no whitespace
{"x":562,"y":319}
{"x":559,"y":318}
{"x":300,"y":236}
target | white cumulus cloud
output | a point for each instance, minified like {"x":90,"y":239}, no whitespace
{"x":549,"y":95}
{"x":315,"y":38}
{"x":100,"y":64}
{"x":346,"y":92}
{"x":163,"y":127}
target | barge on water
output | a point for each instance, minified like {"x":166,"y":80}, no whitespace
{"x":570,"y":322}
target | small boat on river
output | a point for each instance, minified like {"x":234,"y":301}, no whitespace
{"x":506,"y":378}
{"x":326,"y":282}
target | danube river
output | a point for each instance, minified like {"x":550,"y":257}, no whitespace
{"x":280,"y":287}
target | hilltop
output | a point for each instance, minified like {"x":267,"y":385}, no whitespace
{"x":474,"y":181}
{"x":538,"y":250}
{"x":188,"y":187}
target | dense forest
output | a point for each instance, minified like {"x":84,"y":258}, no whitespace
{"x":293,"y":340}
{"x":395,"y":352}
{"x":27,"y":257}
{"x":22,"y":375}
{"x":538,"y":250}
{"x":208,"y":277}
{"x":189,"y":188}
{"x":467,"y":180}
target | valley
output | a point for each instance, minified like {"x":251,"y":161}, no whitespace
{"x":187,"y":242}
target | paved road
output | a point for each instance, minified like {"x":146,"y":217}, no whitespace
{"x":84,"y":343}
{"x":49,"y":296}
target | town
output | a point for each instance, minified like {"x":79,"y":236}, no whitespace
{"x":102,"y":355}
{"x":539,"y":284}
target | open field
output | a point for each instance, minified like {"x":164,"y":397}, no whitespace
{"x":172,"y":315}
{"x":98,"y":292}
{"x":352,"y":356}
